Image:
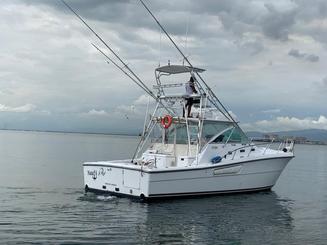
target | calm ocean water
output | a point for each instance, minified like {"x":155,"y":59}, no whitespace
{"x":42,"y":200}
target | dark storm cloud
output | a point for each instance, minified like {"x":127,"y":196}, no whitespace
{"x":124,"y":12}
{"x":277,"y":24}
{"x":311,"y":19}
{"x":130,"y":15}
{"x":239,"y":17}
{"x":309,"y":10}
{"x":312,"y":58}
{"x":247,"y":16}
{"x":298,"y":55}
{"x":236,"y":16}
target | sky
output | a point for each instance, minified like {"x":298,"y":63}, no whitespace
{"x":265,"y":60}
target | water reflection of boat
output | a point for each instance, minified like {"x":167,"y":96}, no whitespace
{"x":261,"y":218}
{"x":207,"y":153}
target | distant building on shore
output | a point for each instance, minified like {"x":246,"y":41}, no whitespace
{"x":268,"y":137}
{"x":300,"y":140}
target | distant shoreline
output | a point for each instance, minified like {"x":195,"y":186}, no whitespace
{"x":135,"y":135}
{"x":296,"y":143}
{"x":68,"y":132}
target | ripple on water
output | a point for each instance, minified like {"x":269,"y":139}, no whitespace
{"x":90,"y":197}
{"x":106,"y":198}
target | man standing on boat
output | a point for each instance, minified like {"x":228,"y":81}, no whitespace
{"x":190,"y":89}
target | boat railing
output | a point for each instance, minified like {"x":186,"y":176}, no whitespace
{"x":268,"y":146}
{"x":180,"y":96}
{"x":285,"y":146}
{"x":169,"y":85}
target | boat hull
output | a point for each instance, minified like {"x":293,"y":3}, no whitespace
{"x":254,"y":175}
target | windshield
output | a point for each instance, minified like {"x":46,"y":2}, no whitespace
{"x":178,"y":131}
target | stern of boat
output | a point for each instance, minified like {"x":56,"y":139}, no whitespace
{"x":119,"y":178}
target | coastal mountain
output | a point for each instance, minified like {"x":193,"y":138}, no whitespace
{"x":309,"y":134}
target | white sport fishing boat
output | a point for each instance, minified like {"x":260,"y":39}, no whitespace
{"x":206,"y":153}
{"x":198,"y":155}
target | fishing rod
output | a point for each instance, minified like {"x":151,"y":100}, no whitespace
{"x":121,"y":69}
{"x":128,"y":75}
{"x":187,"y":60}
{"x":143,"y":86}
{"x":132,"y":75}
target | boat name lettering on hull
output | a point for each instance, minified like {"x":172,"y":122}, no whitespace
{"x":95,"y":173}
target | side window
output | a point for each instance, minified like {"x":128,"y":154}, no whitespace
{"x":232,"y":135}
{"x":223,"y":137}
{"x":235,"y":137}
{"x":181,"y":134}
{"x":219,"y":139}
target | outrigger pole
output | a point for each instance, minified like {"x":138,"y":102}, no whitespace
{"x":132,"y":75}
{"x":122,"y":70}
{"x":140,"y":83}
{"x":228,"y":116}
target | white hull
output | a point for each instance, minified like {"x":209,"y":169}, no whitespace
{"x":240,"y":176}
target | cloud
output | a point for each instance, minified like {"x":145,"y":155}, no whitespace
{"x":321,"y":86}
{"x":287,"y":123}
{"x":98,"y":112}
{"x":312,"y":58}
{"x":277,"y":24}
{"x":142,"y":100}
{"x":253,"y":45}
{"x":23,"y":108}
{"x":272,"y":111}
{"x":219,"y":116}
{"x":324,"y":82}
{"x":298,"y":55}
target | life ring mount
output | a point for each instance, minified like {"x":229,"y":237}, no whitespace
{"x":166,"y":121}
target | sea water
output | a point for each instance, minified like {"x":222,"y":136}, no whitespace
{"x":42,"y":200}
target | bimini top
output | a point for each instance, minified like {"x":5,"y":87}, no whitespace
{"x":176,"y":69}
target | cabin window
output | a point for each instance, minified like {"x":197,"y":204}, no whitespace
{"x":181,"y":134}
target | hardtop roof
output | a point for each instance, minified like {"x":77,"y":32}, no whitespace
{"x":176,"y":69}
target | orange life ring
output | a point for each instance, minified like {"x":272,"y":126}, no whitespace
{"x":166,"y":121}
